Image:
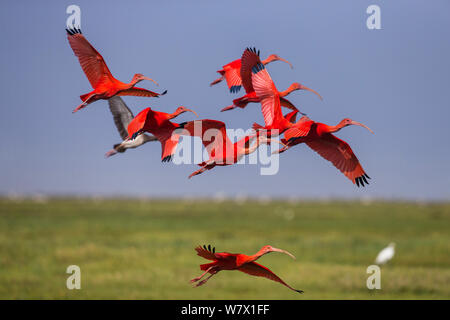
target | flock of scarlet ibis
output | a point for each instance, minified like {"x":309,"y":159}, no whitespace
{"x":249,"y":72}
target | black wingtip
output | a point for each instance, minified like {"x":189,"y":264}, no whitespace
{"x":165,"y":91}
{"x":256,"y":51}
{"x":253,"y":50}
{"x":136,"y":134}
{"x":235,"y":89}
{"x":182,"y":125}
{"x":365,"y":180}
{"x":167,"y":159}
{"x":209,"y":248}
{"x":300,"y":291}
{"x":291,"y":140}
{"x":361,"y":181}
{"x":72,"y":31}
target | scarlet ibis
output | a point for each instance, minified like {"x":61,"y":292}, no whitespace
{"x":104,"y":84}
{"x":237,"y":261}
{"x":264,"y":88}
{"x":122,"y":117}
{"x":386,"y":254}
{"x":159,"y":124}
{"x":320,"y":138}
{"x":231,"y":72}
{"x":221,"y":151}
{"x":250,"y":63}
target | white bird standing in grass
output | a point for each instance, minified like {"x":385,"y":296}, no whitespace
{"x":386,"y":254}
{"x":122,"y":117}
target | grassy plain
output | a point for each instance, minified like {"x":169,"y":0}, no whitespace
{"x":144,"y":249}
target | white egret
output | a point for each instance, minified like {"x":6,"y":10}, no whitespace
{"x":386,"y":254}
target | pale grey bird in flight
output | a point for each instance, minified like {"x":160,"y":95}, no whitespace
{"x":122,"y":117}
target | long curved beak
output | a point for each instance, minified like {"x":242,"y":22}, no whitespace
{"x":312,"y":90}
{"x":284,"y":60}
{"x":280,"y":150}
{"x":147,"y":78}
{"x":268,"y":140}
{"x":192,"y":112}
{"x":285,"y":252}
{"x":356,"y":123}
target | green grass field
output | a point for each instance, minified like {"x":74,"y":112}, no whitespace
{"x":132,"y":249}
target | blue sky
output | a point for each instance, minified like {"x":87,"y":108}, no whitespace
{"x":395,"y":80}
